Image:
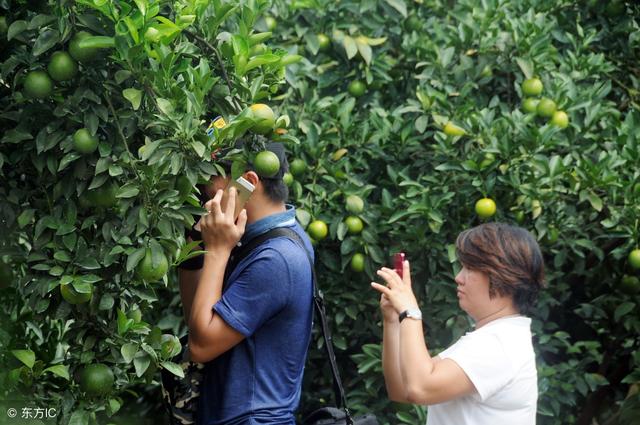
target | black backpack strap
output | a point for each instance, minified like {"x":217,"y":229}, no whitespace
{"x":240,"y":252}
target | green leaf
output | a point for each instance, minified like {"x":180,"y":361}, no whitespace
{"x":199,"y":148}
{"x":399,"y":5}
{"x":365,"y":50}
{"x":129,"y":351}
{"x":141,"y":364}
{"x":173,"y":368}
{"x":526,"y":66}
{"x":134,"y":96}
{"x":595,"y":202}
{"x":350,"y":46}
{"x":79,"y":417}
{"x":60,"y":370}
{"x":27,"y":357}
{"x":165,"y":106}
{"x":142,"y":5}
{"x":623,"y":309}
{"x":134,"y":258}
{"x":124,"y":323}
{"x":46,"y":40}
{"x":261,"y":60}
{"x":16,"y":28}
{"x":26,"y":217}
{"x":129,"y":190}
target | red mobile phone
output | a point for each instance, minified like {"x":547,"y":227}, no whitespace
{"x":398,"y":260}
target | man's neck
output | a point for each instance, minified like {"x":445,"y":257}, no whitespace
{"x":265,"y":210}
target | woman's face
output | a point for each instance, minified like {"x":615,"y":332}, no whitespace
{"x":473,"y":293}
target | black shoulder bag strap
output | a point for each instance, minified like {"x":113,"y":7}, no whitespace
{"x":318,"y":301}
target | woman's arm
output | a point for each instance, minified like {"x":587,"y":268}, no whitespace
{"x":428,"y":380}
{"x":424,"y":380}
{"x":391,"y":362}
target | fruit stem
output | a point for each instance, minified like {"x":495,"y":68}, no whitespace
{"x":220,"y":63}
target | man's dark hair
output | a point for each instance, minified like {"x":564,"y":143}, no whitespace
{"x":275,"y":189}
{"x":509,"y":255}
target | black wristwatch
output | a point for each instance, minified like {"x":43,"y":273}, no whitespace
{"x":411,"y":313}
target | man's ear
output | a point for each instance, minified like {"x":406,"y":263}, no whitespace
{"x":252,"y":177}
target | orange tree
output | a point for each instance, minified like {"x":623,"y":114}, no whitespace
{"x":105,"y":108}
{"x":532,"y":104}
{"x":409,"y":112}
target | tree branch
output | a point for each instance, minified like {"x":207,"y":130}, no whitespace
{"x":215,"y":52}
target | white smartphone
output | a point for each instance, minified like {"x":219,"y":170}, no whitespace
{"x":244,"y":189}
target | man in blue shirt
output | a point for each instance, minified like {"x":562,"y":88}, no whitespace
{"x":254,"y":336}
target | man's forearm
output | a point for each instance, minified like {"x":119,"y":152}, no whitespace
{"x":188,"y":280}
{"x":208,"y":292}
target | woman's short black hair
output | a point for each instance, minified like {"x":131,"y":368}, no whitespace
{"x":509,"y":255}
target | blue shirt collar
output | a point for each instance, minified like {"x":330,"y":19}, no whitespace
{"x":283,"y":219}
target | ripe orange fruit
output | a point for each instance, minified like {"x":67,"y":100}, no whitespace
{"x":532,"y":87}
{"x":530,"y":105}
{"x":297,"y":167}
{"x":152,"y":272}
{"x":96,"y":379}
{"x":104,"y":196}
{"x":485,"y":208}
{"x":266,"y":164}
{"x":355,"y":204}
{"x":38,"y":85}
{"x":560,"y":119}
{"x":630,"y":284}
{"x":62,"y":67}
{"x":84,"y":142}
{"x":546,"y":107}
{"x":287,"y":178}
{"x":413,"y":23}
{"x":552,"y":235}
{"x":81,"y":54}
{"x":318,"y":230}
{"x":450,"y":129}
{"x":357,"y":262}
{"x":323,"y":42}
{"x":357,"y":88}
{"x":135,"y":314}
{"x":270,"y":22}
{"x":72,"y":296}
{"x":152,"y":35}
{"x":354,"y":225}
{"x":634,"y":258}
{"x":265,"y":118}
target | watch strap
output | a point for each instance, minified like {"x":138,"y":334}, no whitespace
{"x":413,"y":313}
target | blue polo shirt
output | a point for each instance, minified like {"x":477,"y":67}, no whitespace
{"x":269,"y":301}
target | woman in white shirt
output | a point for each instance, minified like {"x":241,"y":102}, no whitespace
{"x":489,"y":375}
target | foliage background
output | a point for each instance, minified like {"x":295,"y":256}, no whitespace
{"x":149,"y":100}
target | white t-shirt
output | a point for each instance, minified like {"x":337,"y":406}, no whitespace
{"x":499,"y":359}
